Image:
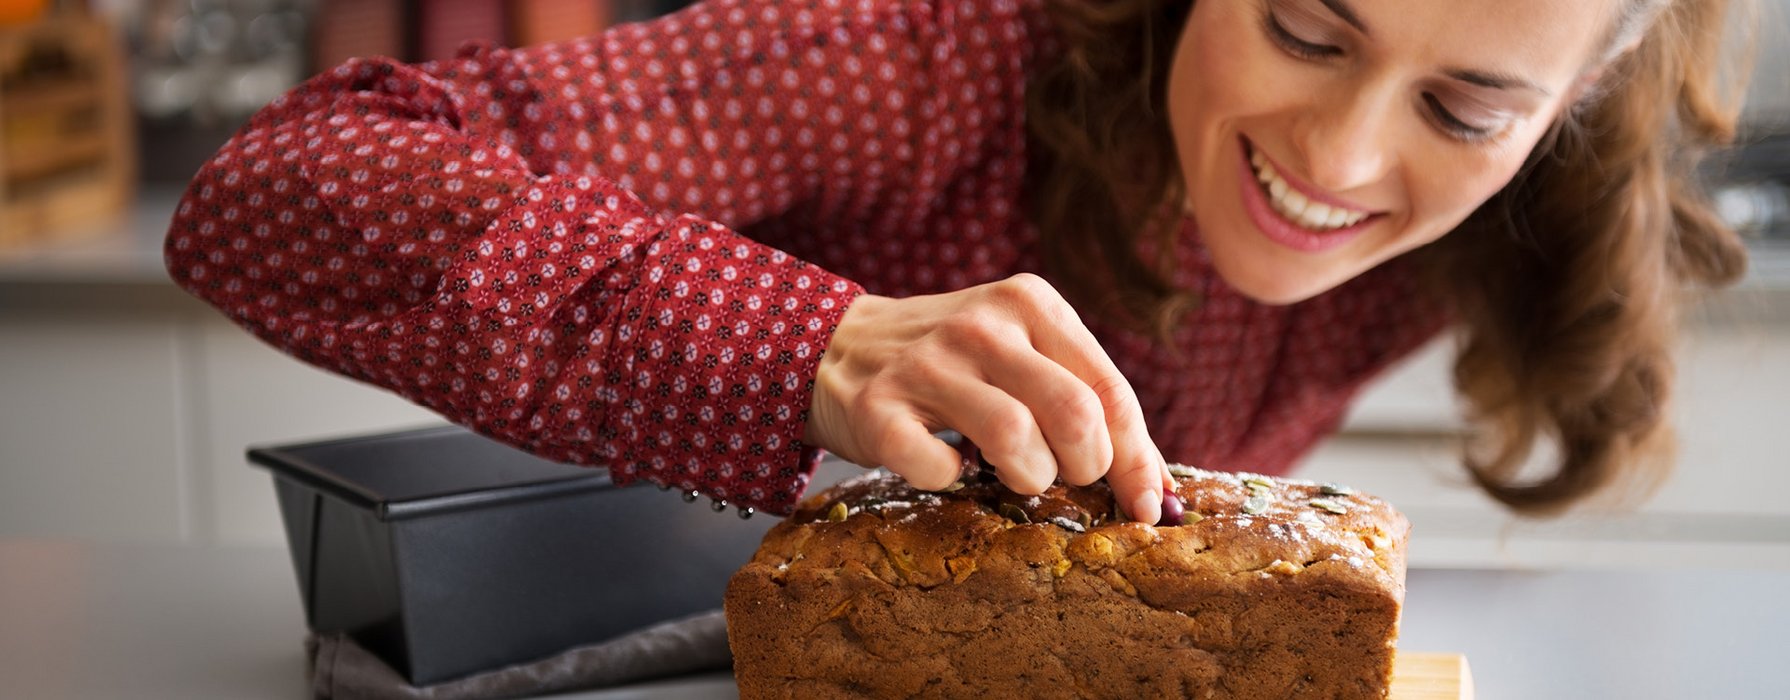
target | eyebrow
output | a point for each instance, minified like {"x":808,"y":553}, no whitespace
{"x":1500,"y":81}
{"x":1347,"y":14}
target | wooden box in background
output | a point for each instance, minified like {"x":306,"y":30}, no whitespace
{"x":67,"y":159}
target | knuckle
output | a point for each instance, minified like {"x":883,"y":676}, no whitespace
{"x":1114,"y":393}
{"x":1025,"y":289}
{"x":1131,"y":471}
{"x":1006,"y":426}
{"x":1019,"y":283}
{"x":976,"y":328}
{"x":882,"y":440}
{"x":1034,"y":285}
{"x":1073,"y":439}
{"x":1081,"y":413}
{"x":869,"y":399}
{"x":1084,"y":463}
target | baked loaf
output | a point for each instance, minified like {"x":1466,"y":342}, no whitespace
{"x":1271,"y":588}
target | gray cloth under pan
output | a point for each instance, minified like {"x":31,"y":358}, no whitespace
{"x":343,"y":670}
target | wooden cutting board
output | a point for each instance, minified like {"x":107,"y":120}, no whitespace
{"x":1430,"y":676}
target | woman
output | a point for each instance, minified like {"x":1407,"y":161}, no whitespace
{"x":1086,"y":235}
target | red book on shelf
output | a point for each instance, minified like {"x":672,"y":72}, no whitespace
{"x":543,"y":21}
{"x":442,"y":26}
{"x":347,"y":29}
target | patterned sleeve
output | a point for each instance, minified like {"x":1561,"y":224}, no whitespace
{"x":473,"y":234}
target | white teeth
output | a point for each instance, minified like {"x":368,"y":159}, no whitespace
{"x":1293,"y":204}
{"x":1318,"y":213}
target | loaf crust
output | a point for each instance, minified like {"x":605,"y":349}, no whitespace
{"x":875,"y":589}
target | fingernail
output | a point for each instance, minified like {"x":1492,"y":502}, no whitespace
{"x":1147,"y":508}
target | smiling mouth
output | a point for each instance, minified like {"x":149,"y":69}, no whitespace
{"x":1293,"y":205}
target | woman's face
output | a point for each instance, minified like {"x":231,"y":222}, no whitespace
{"x":1319,"y":138}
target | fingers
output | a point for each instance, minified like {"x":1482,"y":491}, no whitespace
{"x":1009,"y":365}
{"x":1138,"y":469}
{"x":1005,"y":430}
{"x":1137,"y":486}
{"x":1137,"y":473}
{"x":902,"y":443}
{"x":1067,"y":412}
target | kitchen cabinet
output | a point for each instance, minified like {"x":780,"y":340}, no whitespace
{"x":132,"y":428}
{"x":251,"y":394}
{"x":91,"y":429}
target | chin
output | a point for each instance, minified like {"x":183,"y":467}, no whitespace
{"x":1269,"y":284}
{"x":1275,"y":293}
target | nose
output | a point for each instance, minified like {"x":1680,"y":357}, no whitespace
{"x":1347,"y":139}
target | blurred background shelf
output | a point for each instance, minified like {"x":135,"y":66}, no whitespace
{"x":67,"y":151}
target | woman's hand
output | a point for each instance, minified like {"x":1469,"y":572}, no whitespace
{"x":1010,"y":366}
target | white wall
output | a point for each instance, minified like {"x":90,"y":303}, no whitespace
{"x":1768,"y":99}
{"x":126,"y":428}
{"x":1721,"y":507}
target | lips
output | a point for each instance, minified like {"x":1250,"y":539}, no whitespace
{"x":1298,"y":205}
{"x":1291,"y":221}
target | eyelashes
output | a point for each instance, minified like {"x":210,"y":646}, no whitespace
{"x":1291,"y":42}
{"x":1453,"y":124}
{"x":1438,"y":113}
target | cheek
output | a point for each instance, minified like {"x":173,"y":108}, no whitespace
{"x":1217,"y":78}
{"x":1221,"y":60}
{"x":1217,"y":71}
{"x":1449,"y":187}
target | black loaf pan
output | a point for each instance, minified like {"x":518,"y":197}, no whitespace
{"x":447,"y":553}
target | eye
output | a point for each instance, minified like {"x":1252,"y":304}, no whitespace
{"x":1454,"y":125}
{"x":1291,"y":43}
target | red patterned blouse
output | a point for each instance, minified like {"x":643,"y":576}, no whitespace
{"x":631,"y":250}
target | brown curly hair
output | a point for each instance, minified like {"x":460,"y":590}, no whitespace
{"x":1565,"y":336}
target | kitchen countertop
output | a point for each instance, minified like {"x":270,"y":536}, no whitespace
{"x":106,"y":269}
{"x":81,"y":620}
